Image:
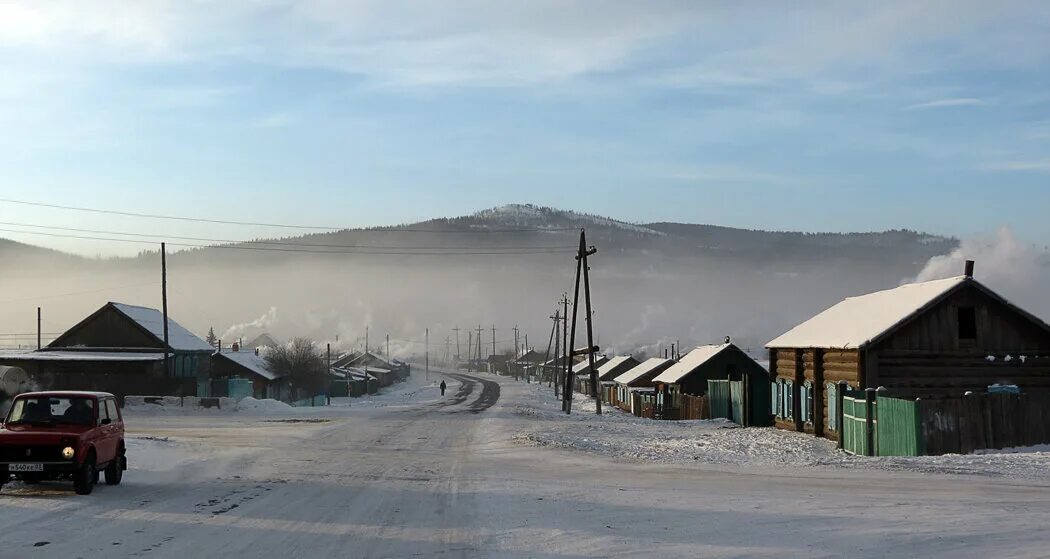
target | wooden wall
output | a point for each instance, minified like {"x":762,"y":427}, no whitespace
{"x":107,"y":329}
{"x":926,"y":357}
{"x":819,"y":367}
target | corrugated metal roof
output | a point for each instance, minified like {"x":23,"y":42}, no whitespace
{"x":690,"y":362}
{"x":648,"y":366}
{"x":856,"y":321}
{"x":152,"y":320}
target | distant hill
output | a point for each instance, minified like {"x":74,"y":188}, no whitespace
{"x":654,"y":283}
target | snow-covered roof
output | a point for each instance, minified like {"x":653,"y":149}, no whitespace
{"x":690,"y":362}
{"x":582,"y":365}
{"x":254,"y":363}
{"x":647,"y":367}
{"x":613,"y":365}
{"x":152,"y":320}
{"x":57,"y":355}
{"x":856,"y":321}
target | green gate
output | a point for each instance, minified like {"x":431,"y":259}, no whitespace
{"x":719,"y":397}
{"x":736,"y":401}
{"x":855,"y":421}
{"x":898,"y":431}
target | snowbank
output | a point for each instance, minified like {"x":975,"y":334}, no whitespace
{"x":718,"y":442}
{"x":267,"y":405}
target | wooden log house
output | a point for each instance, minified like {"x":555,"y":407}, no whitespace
{"x":938,"y":338}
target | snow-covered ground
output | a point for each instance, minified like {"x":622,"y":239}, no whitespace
{"x":623,"y":436}
{"x":411,"y":473}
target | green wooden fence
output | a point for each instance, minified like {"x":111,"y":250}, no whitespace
{"x":855,"y":421}
{"x":898,"y":427}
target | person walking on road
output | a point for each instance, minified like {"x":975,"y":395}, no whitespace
{"x":442,"y":386}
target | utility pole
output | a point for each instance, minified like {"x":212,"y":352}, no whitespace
{"x":456,"y":330}
{"x":566,"y":356}
{"x":164,"y":302}
{"x":570,"y":349}
{"x":560,"y":363}
{"x":584,"y":253}
{"x":428,"y":354}
{"x":479,"y":345}
{"x":582,"y":270}
{"x":516,"y":352}
{"x":448,"y":348}
{"x":328,"y":377}
{"x":366,"y":348}
{"x":493,"y":339}
{"x":38,"y":328}
{"x":550,"y":344}
{"x":470,"y":337}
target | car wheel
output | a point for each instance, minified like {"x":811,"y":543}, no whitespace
{"x":84,"y":479}
{"x":115,"y":470}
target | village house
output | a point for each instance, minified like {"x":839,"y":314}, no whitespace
{"x":233,"y":363}
{"x":120,"y":349}
{"x":737,"y":386}
{"x":638,"y":379}
{"x":940,"y":338}
{"x":607,"y":371}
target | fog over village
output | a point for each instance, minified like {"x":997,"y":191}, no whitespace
{"x":655,"y":284}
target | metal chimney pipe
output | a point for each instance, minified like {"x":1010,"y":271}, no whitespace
{"x":969,"y":268}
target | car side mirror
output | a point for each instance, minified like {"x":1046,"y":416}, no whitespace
{"x":104,"y":421}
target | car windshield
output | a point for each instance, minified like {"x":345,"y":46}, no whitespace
{"x":50,"y":410}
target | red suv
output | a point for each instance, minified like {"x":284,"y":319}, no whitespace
{"x":51,"y":435}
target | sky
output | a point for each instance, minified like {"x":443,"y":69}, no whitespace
{"x":814,"y":116}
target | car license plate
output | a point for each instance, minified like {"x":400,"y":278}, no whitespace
{"x":25,"y":467}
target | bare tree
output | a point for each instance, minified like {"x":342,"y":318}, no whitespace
{"x":302,"y":362}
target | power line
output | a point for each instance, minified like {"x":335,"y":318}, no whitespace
{"x":57,"y":295}
{"x":275,"y":242}
{"x":492,"y":252}
{"x":278,"y":225}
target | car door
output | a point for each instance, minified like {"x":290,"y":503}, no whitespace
{"x":116,"y":423}
{"x":105,"y":445}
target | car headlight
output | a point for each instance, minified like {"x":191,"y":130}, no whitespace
{"x":67,"y":452}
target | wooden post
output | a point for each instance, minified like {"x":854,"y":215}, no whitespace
{"x":164,"y":303}
{"x":38,"y":336}
{"x":427,"y":342}
{"x":818,"y":392}
{"x":570,"y":349}
{"x":584,"y":253}
{"x":869,"y":431}
{"x":328,"y":377}
{"x":840,"y":394}
{"x":796,"y":389}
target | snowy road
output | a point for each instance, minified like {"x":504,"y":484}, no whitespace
{"x":421,"y":475}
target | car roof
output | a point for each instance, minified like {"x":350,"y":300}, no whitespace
{"x":66,"y":393}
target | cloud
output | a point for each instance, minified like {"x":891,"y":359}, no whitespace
{"x":951,"y":102}
{"x":257,"y":326}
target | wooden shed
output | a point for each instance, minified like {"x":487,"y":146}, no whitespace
{"x":252,"y":366}
{"x":746,"y":382}
{"x":938,"y":338}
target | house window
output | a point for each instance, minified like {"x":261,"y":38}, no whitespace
{"x":807,"y":402}
{"x":789,"y":400}
{"x":967,"y":323}
{"x":774,"y":390}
